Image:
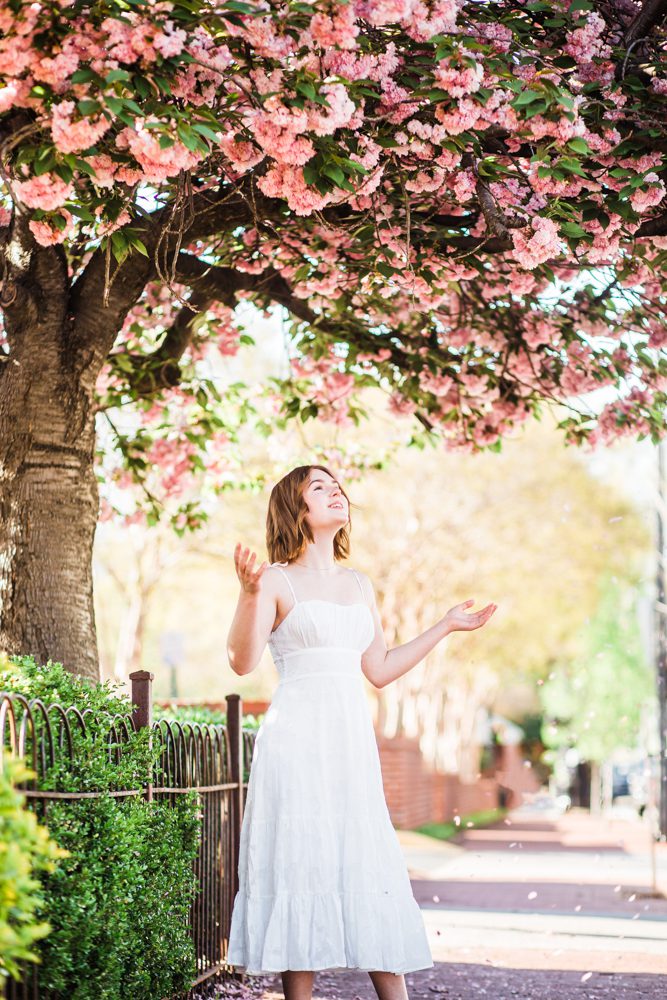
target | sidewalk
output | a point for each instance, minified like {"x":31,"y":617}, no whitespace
{"x":570,"y":893}
{"x":534,"y":908}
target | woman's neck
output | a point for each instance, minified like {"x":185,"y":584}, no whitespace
{"x":318,"y":558}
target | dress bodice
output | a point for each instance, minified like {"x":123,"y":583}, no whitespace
{"x":319,"y":636}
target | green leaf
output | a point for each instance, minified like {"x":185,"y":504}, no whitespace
{"x":536,"y":108}
{"x":83,"y":75}
{"x":87,"y":107}
{"x":188,"y":138}
{"x":142,"y":86}
{"x":527,"y":97}
{"x":334,"y":172}
{"x":141,"y":247}
{"x":307,"y":89}
{"x":117,"y":74}
{"x":352,"y":165}
{"x":114,"y":104}
{"x":239,"y":7}
{"x":572,"y":166}
{"x":573,"y":229}
{"x":163,"y":84}
{"x":578,"y":145}
{"x":206,"y":131}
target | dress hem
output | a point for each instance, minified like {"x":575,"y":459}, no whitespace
{"x":330,"y":968}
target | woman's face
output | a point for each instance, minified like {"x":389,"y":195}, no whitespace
{"x":327,"y":507}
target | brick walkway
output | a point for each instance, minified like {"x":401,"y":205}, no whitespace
{"x":535,"y":908}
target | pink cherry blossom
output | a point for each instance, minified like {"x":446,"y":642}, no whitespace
{"x":338,"y":27}
{"x":157,"y":162}
{"x":325,"y":121}
{"x":287,"y":182}
{"x":73,"y":137}
{"x":48,"y":234}
{"x":48,"y":191}
{"x":644,"y":198}
{"x":459,"y":80}
{"x":531,"y":249}
{"x":585,"y":44}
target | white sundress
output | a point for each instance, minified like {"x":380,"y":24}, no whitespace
{"x":323,"y":883}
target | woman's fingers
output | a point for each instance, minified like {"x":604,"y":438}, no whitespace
{"x":241,"y":559}
{"x":244,"y":560}
{"x":260,"y":570}
{"x":475,"y":619}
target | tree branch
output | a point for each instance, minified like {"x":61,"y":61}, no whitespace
{"x":653,"y":227}
{"x":97,"y":321}
{"x":651,"y":14}
{"x":210,"y":283}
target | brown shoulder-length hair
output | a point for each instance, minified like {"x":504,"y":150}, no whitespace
{"x":287,"y":531}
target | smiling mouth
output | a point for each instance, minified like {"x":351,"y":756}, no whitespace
{"x":333,"y":506}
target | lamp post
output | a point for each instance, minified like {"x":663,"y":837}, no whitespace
{"x":661,"y":641}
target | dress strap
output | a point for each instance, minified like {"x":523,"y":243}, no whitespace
{"x":359,"y":582}
{"x":289,"y":582}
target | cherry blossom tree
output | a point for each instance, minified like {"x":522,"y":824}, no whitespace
{"x":461,"y":202}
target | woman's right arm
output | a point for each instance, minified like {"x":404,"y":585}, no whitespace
{"x":255,"y":613}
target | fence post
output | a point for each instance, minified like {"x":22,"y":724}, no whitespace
{"x":142,"y":714}
{"x":235,"y":734}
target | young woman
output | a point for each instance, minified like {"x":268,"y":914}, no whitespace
{"x":322,"y":880}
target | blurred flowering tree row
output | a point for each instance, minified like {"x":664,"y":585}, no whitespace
{"x":461,"y":202}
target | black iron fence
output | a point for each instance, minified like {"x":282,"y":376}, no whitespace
{"x":214,"y":760}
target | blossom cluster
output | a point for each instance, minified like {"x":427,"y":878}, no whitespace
{"x":420,"y":173}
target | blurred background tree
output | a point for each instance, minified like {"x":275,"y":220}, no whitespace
{"x":530,"y":527}
{"x":596,"y":701}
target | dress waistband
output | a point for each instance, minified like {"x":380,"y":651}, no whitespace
{"x":319,"y":661}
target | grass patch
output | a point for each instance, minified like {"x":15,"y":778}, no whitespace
{"x":445,"y":831}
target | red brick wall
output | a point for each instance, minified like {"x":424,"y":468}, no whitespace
{"x":416,"y":794}
{"x":408,"y":786}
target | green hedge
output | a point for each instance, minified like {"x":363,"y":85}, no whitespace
{"x":202,"y":714}
{"x":118,"y":905}
{"x":25,"y":850}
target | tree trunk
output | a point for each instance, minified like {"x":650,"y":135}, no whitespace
{"x":48,"y":497}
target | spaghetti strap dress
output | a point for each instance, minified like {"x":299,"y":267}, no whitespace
{"x":323,"y":884}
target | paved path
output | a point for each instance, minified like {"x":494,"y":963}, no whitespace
{"x":535,"y":908}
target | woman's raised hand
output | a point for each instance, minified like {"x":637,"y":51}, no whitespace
{"x":249,"y":576}
{"x":459,"y":621}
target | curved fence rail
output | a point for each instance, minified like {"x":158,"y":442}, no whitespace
{"x":214,"y":760}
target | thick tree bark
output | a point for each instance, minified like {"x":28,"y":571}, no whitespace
{"x":48,"y":512}
{"x":48,"y":489}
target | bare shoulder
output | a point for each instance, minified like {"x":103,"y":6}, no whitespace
{"x":366,"y":585}
{"x":273,"y":579}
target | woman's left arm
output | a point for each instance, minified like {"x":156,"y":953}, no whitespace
{"x":382,"y":666}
